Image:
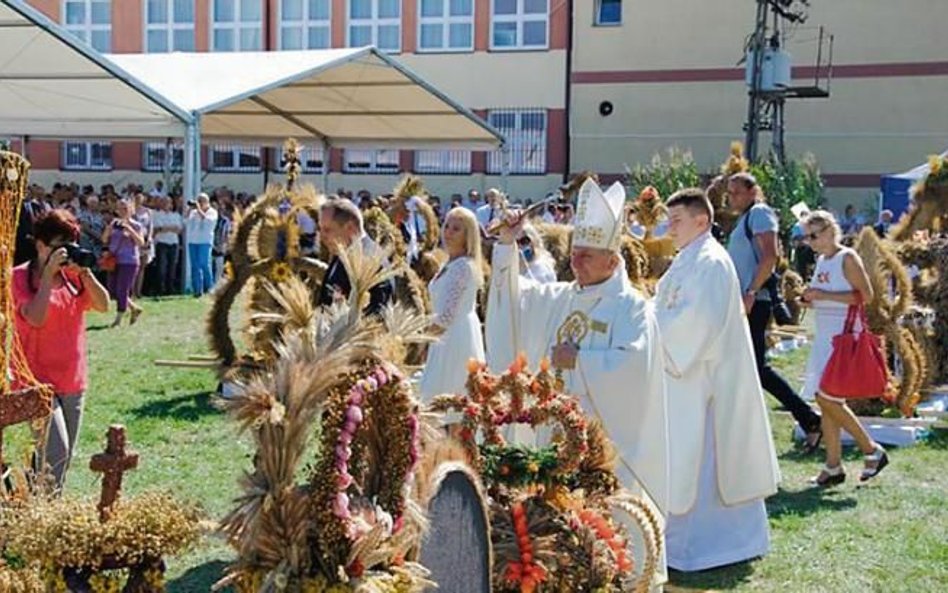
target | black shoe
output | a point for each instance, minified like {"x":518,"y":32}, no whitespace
{"x":812,"y":440}
{"x":829,"y":477}
{"x":879,"y":459}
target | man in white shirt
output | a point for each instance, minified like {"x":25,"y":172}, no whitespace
{"x":168,"y":226}
{"x":159,"y":190}
{"x":492,"y":209}
{"x":722,"y":462}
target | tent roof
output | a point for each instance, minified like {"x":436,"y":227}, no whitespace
{"x":54,"y":85}
{"x":915,"y":173}
{"x":347,"y":97}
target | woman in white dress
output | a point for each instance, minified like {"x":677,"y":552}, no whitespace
{"x":454,"y":300}
{"x":537,"y":262}
{"x":838,"y":281}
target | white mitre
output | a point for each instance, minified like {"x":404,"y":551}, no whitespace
{"x":599,"y":216}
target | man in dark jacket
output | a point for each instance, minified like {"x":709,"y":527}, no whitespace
{"x":340,"y":225}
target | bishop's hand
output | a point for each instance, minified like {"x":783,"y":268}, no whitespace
{"x":564,"y":356}
{"x":510,"y":227}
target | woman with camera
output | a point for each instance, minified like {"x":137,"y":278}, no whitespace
{"x":52,"y":292}
{"x":124,"y":238}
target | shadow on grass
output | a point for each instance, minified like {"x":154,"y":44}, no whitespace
{"x":723,"y":578}
{"x":96,"y":328}
{"x":192,"y":406}
{"x":806,"y":502}
{"x":199,"y":579}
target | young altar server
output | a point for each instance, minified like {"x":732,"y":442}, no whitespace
{"x":722,"y":456}
{"x":598,"y":332}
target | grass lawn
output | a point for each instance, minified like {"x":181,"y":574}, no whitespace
{"x":889,"y":536}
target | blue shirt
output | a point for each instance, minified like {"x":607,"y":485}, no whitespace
{"x":743,"y":251}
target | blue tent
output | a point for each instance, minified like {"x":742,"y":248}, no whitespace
{"x":897,"y":188}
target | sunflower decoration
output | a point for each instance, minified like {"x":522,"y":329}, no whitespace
{"x":280,"y":272}
{"x":554,"y":509}
{"x":264,"y":249}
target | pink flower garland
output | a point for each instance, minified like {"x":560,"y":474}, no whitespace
{"x":354,"y":416}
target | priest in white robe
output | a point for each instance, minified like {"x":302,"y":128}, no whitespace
{"x":723,"y":463}
{"x":598,"y":331}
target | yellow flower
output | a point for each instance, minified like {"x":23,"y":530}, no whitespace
{"x":281,"y":272}
{"x":532,"y":467}
{"x":935,"y":163}
{"x":229,"y":270}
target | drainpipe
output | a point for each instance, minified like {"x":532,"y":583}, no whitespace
{"x":569,"y":87}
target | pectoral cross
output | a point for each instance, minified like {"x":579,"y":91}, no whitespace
{"x":112,"y":465}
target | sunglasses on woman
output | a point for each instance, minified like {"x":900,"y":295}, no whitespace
{"x":812,"y":236}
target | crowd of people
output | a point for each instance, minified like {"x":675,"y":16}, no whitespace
{"x":698,"y":342}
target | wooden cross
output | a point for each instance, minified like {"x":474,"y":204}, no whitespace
{"x":112,"y":465}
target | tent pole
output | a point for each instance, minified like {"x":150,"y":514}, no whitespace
{"x":504,"y":168}
{"x":326,"y":159}
{"x":192,"y":187}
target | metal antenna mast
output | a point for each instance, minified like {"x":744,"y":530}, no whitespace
{"x":768,"y":74}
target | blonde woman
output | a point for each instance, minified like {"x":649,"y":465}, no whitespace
{"x":839,"y":280}
{"x":454,"y":299}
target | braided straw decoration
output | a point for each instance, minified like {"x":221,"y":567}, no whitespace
{"x":33,"y":398}
{"x":649,"y":525}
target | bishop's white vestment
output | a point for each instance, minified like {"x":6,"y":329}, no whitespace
{"x":618,"y":375}
{"x":722,"y":462}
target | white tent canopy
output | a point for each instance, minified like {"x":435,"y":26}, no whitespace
{"x":55,"y":86}
{"x":344,"y":97}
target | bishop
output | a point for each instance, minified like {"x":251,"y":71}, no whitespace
{"x":599,"y":332}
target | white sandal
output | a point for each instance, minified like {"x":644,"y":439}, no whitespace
{"x":875,"y":462}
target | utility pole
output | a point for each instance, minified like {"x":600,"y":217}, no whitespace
{"x":768,"y":77}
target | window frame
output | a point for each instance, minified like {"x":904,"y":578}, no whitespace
{"x":373,"y":168}
{"x":235,"y":149}
{"x":236,"y":25}
{"x":597,"y":15}
{"x":446,"y":20}
{"x":89,"y":164}
{"x":514,"y":139}
{"x":168,"y":28}
{"x":306,"y":23}
{"x":87,"y":27}
{"x":375,"y":22}
{"x":147,"y":163}
{"x":446,"y":158}
{"x":520,"y":18}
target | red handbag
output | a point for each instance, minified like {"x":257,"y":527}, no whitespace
{"x":857,"y":368}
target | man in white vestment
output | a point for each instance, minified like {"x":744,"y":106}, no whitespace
{"x":722,"y":454}
{"x":598,"y":331}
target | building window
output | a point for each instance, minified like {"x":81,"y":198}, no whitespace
{"x":443,"y":161}
{"x":519,"y":24}
{"x":311,"y":157}
{"x":87,"y":156}
{"x":90,"y":21}
{"x":608,"y":12}
{"x":169,"y":25}
{"x":375,"y":22}
{"x":154,"y":155}
{"x":371,"y":161}
{"x":445,"y":25}
{"x":525,"y":130}
{"x":237,"y":25}
{"x":305,"y":24}
{"x":234,"y":158}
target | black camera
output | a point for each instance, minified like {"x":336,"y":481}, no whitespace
{"x":79,"y":256}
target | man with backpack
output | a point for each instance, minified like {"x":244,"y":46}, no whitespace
{"x":752,"y":246}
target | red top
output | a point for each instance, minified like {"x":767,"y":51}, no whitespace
{"x":56,"y":351}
